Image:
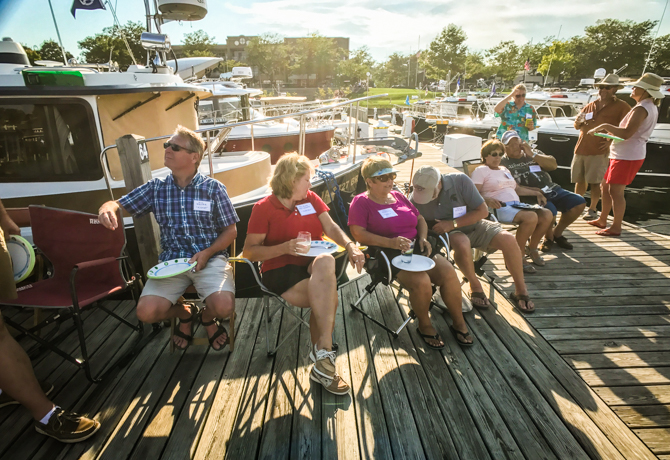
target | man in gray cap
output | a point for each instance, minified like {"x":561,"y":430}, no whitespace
{"x":591,"y":157}
{"x":530,"y":170}
{"x":451,"y":204}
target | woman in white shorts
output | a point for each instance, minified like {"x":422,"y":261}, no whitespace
{"x":501,"y":192}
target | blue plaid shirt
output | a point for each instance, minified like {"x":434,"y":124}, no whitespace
{"x":190,"y":218}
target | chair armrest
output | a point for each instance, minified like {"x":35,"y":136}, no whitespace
{"x":95,"y":263}
{"x":253,"y":270}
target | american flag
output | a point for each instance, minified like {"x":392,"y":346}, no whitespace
{"x":526,"y":66}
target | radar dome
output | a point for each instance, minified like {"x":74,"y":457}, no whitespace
{"x":183,"y":10}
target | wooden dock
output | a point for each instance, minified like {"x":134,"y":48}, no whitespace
{"x":586,"y":376}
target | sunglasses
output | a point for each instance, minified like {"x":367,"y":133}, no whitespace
{"x":175,"y":147}
{"x":496,"y":154}
{"x":519,"y":96}
{"x":386,"y":177}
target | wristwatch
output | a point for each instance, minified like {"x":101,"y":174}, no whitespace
{"x":453,"y":222}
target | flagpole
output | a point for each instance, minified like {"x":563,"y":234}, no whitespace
{"x":60,"y":42}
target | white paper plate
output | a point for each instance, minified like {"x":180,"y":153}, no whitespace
{"x":23,"y":257}
{"x":419,"y":263}
{"x":170,"y":268}
{"x":319,"y":247}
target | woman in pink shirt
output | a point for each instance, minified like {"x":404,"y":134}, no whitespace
{"x":501,"y":192}
{"x":384,"y":218}
{"x":627,"y":156}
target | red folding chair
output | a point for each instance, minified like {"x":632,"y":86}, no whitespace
{"x":88,"y":265}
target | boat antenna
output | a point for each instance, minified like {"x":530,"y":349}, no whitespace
{"x":60,"y":42}
{"x":118,"y":24}
{"x":653,"y":42}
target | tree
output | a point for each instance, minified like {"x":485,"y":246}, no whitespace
{"x":198,"y":43}
{"x":447,"y":52}
{"x":32,"y":54}
{"x":392,"y":72}
{"x":270,"y":55}
{"x":557,"y":61}
{"x":475,"y":67}
{"x":109,"y":46}
{"x":317,"y":55}
{"x":659,"y":60}
{"x":51,"y":51}
{"x":355,"y":68}
{"x":505,"y":60}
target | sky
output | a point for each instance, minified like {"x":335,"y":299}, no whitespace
{"x":384,"y":27}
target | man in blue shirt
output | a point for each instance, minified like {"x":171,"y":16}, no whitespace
{"x":197,"y":221}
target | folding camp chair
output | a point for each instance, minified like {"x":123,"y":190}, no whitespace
{"x":258,"y":289}
{"x":378,"y":266}
{"x":88,"y":265}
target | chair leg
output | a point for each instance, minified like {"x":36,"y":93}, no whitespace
{"x":410,"y":317}
{"x":231,"y":333}
{"x":76,"y":316}
{"x":173,"y":326}
{"x":266,"y":309}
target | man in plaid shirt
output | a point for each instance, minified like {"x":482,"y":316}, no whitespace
{"x":197,"y":221}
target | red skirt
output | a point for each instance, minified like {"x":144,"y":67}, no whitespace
{"x":622,"y":171}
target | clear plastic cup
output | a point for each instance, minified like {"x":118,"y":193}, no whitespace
{"x":407,"y":255}
{"x":304,"y":242}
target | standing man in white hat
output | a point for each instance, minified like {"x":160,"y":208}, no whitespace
{"x":627,"y":156}
{"x":591,"y":153}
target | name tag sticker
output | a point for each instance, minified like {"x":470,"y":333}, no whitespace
{"x":588,"y":116}
{"x":460,"y":211}
{"x":306,"y":209}
{"x":546,"y":189}
{"x":535,"y":168}
{"x":199,"y":205}
{"x":508,"y":175}
{"x":386,"y":213}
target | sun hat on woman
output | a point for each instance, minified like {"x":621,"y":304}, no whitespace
{"x":651,"y":83}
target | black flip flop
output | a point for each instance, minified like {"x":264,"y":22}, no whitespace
{"x":464,"y":335}
{"x":195,"y":311}
{"x":433,"y":337}
{"x":515,"y":301}
{"x":481,"y":296}
{"x":219,"y":332}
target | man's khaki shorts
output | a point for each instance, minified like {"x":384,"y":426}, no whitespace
{"x":215,"y":277}
{"x":588,"y":169}
{"x":481,"y":234}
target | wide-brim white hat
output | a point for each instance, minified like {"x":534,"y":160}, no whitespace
{"x":651,"y":83}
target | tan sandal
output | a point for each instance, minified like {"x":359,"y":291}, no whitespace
{"x":535,"y":256}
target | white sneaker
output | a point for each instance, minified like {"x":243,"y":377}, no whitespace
{"x":590,"y":215}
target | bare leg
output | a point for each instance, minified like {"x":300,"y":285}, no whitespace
{"x":319,"y":293}
{"x":153,"y":309}
{"x":505,"y":242}
{"x":544,"y":220}
{"x":618,"y":205}
{"x":219,"y":305}
{"x":420,"y":292}
{"x":17,"y":377}
{"x":567,"y":218}
{"x":444,"y":276}
{"x":580,"y":188}
{"x":607,"y":203}
{"x":595,"y":196}
{"x":463,"y":257}
{"x":527,"y":221}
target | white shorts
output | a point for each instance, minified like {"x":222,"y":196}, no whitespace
{"x":217,"y":276}
{"x":505,"y":214}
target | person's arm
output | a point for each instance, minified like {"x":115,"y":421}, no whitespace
{"x":221,"y":242}
{"x":580,"y":121}
{"x":490,"y":202}
{"x":6,"y":223}
{"x":421,"y":236}
{"x":639,"y":115}
{"x":500,"y":106}
{"x":334,"y":232}
{"x":363,"y":236}
{"x":546,"y":162}
{"x":107,"y":214}
{"x":256,"y":251}
{"x":531,"y":191}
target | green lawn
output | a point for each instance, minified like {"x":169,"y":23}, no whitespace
{"x":396,"y":96}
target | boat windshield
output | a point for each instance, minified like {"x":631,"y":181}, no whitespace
{"x":47,"y":141}
{"x":221,"y":110}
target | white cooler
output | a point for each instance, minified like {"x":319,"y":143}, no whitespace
{"x":459,"y":148}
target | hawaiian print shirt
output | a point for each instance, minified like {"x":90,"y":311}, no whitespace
{"x":190,"y":218}
{"x":513,"y":118}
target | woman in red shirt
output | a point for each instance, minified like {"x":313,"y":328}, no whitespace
{"x":304,"y":282}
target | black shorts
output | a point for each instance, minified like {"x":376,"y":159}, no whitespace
{"x":393,"y":253}
{"x":280,"y":280}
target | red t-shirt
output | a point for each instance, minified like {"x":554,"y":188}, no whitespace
{"x":279,"y":225}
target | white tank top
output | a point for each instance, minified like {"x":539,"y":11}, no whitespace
{"x":635,"y":147}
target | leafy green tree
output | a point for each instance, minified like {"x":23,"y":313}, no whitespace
{"x":475,"y":66}
{"x":659,"y":61}
{"x":198,"y":43}
{"x":446,"y":52}
{"x":557,"y":61}
{"x":505,"y":60}
{"x":392,"y":72}
{"x":355,"y":68}
{"x":316,"y":54}
{"x":51,"y":51}
{"x":270,"y":55}
{"x":33,"y":55}
{"x":109,"y":45}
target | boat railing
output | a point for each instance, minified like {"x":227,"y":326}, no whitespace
{"x":216,"y":135}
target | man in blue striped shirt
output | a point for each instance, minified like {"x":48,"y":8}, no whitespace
{"x":197,"y":221}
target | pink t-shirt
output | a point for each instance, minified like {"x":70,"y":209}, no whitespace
{"x":635,"y":147}
{"x":496,"y":183}
{"x":387,"y":220}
